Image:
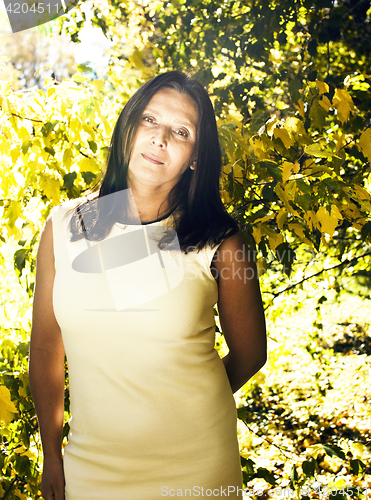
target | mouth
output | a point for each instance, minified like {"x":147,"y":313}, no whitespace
{"x":152,"y":158}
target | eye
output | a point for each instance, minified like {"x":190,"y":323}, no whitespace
{"x":182,"y":132}
{"x":148,"y":119}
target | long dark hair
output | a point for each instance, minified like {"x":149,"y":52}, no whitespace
{"x":202,"y":218}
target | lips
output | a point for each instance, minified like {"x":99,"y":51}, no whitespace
{"x":152,"y":158}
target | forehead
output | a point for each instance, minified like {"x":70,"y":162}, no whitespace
{"x":169,"y":103}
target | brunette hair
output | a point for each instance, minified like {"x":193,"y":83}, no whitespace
{"x":202,"y":217}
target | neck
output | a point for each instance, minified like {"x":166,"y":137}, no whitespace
{"x":151,"y":203}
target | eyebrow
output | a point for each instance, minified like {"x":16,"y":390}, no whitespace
{"x":182,"y":122}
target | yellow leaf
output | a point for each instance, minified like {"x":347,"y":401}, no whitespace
{"x":351,"y":211}
{"x":24,"y":134}
{"x":315,"y":450}
{"x":362,"y":192}
{"x":340,"y":141}
{"x":271,"y":124}
{"x":88,"y":129}
{"x":22,"y":390}
{"x":99,"y":85}
{"x":281,"y":218}
{"x":322,"y":87}
{"x":15,"y":153}
{"x":315,"y":150}
{"x":264,"y":219}
{"x":335,"y":212}
{"x":325,"y":103}
{"x":310,"y":218}
{"x":51,"y":187}
{"x":358,"y":450}
{"x":343,"y":103}
{"x":256,"y":232}
{"x":258,"y":148}
{"x":67,"y":158}
{"x":19,"y":495}
{"x":283,"y":196}
{"x":238,"y":171}
{"x":23,"y":451}
{"x":275,"y":240}
{"x":261,"y":265}
{"x":281,"y":133}
{"x":293,"y":124}
{"x":365,"y":143}
{"x":259,"y":377}
{"x":300,"y":107}
{"x":287,"y":169}
{"x":328,"y":221}
{"x":7,"y":408}
{"x":75,"y":126}
{"x":89,"y":165}
{"x":136,"y":59}
{"x":13,"y":213}
{"x":299,"y":231}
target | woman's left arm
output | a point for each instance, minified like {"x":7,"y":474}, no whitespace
{"x":241,"y":312}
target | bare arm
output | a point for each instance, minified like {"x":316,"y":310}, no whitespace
{"x":241,"y":310}
{"x":46,"y":369}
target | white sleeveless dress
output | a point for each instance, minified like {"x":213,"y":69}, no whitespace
{"x":153,"y":413}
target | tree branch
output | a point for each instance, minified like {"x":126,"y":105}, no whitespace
{"x":342,"y":264}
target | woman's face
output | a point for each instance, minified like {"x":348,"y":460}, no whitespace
{"x":164,"y":146}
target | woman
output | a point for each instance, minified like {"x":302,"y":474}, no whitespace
{"x":153,"y":413}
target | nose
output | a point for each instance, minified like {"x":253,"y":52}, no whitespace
{"x":159,"y":138}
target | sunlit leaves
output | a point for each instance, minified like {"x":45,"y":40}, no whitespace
{"x":365,"y":143}
{"x":343,"y":104}
{"x":46,"y":137}
{"x":7,"y":408}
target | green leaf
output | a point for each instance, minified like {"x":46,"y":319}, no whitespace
{"x":69,"y":179}
{"x":48,"y":127}
{"x":51,"y":151}
{"x":294,"y":88}
{"x":231,"y":183}
{"x":357,"y":466}
{"x":265,"y":474}
{"x":88,"y":177}
{"x":25,"y":146}
{"x":294,"y":476}
{"x":83,"y":68}
{"x":268,"y":192}
{"x":366,"y":231}
{"x":333,"y":451}
{"x":23,"y":348}
{"x":286,"y":255}
{"x":317,"y":115}
{"x":309,"y":467}
{"x":241,"y":413}
{"x":20,"y":258}
{"x":272,"y":169}
{"x":93,"y":146}
{"x":248,"y":465}
{"x":315,"y":150}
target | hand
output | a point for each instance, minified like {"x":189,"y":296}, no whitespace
{"x":52,"y":485}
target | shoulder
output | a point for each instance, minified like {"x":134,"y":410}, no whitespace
{"x":56,"y":215}
{"x":234,"y":250}
{"x":68,"y":205}
{"x":45,"y":253}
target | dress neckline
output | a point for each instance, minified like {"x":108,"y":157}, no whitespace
{"x":166,"y":216}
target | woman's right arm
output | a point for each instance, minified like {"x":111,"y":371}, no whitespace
{"x":46,"y":369}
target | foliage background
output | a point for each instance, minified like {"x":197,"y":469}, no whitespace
{"x":290,"y":83}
